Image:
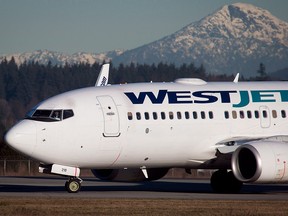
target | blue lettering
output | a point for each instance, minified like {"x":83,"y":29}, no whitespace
{"x":225,"y":96}
{"x":174,"y":96}
{"x":284,"y":95}
{"x":244,"y":99}
{"x":142,"y":95}
{"x":203,"y":94}
{"x":205,"y":97}
{"x":260,"y":96}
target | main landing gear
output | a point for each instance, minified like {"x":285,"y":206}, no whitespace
{"x":225,"y":182}
{"x":73,"y":185}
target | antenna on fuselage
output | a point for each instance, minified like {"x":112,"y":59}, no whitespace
{"x":236,"y":79}
{"x":102,"y":79}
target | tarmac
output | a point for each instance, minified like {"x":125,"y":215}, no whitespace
{"x":161,"y":189}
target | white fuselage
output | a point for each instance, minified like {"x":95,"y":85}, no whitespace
{"x":106,"y":130}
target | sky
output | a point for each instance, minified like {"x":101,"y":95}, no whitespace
{"x":97,"y":26}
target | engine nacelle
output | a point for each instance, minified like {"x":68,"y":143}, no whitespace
{"x":129,"y":175}
{"x":261,"y":161}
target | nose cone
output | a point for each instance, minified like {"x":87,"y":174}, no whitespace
{"x":22,"y":137}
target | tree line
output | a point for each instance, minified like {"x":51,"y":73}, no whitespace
{"x":24,"y":86}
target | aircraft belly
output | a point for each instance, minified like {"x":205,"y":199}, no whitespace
{"x":165,"y":146}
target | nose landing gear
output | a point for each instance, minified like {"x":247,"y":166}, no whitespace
{"x":73,"y":185}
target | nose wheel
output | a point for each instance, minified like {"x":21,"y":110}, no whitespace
{"x":73,"y":185}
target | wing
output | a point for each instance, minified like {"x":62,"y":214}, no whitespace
{"x":226,"y":148}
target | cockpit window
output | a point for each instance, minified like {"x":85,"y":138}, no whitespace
{"x":41,"y":114}
{"x":49,"y":115}
{"x":56,"y":115}
{"x":67,"y":114}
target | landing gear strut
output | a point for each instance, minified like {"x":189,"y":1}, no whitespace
{"x":73,"y":185}
{"x":225,"y":182}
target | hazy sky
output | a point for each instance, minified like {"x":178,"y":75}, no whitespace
{"x":103,"y":25}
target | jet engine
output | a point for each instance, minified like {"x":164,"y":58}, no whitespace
{"x":129,"y":175}
{"x":261,"y":161}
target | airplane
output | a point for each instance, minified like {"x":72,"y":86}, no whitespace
{"x":138,"y":131}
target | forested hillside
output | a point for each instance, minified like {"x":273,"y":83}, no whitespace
{"x":22,"y":87}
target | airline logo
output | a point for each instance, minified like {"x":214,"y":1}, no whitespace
{"x":240,"y":98}
{"x":104,"y":81}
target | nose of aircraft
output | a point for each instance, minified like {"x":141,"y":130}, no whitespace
{"x":22,"y":137}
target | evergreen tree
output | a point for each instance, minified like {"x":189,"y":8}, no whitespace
{"x":262,"y":70}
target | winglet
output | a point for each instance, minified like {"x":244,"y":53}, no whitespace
{"x":102,"y":79}
{"x":236,"y":79}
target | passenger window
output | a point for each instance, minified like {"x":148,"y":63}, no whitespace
{"x":274,"y":113}
{"x":171,"y":116}
{"x":226,"y":115}
{"x":163,"y":116}
{"x":241,"y":113}
{"x":264,"y":114}
{"x":69,"y":113}
{"x":195,"y":116}
{"x":234,"y":114}
{"x":203,"y":115}
{"x":256,"y":113}
{"x":283,"y":113}
{"x":187,"y":116}
{"x":210,"y":113}
{"x":138,"y":115}
{"x":146,"y":114}
{"x":130,"y":116}
{"x":155,"y":116}
{"x":179,"y":116}
{"x":249,"y":114}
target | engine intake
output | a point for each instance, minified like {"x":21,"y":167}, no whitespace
{"x":261,"y":161}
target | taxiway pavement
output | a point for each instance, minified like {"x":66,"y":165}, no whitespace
{"x":161,"y":189}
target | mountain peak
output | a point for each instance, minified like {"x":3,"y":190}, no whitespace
{"x":245,"y":20}
{"x":245,"y":7}
{"x":235,"y":38}
{"x":237,"y":10}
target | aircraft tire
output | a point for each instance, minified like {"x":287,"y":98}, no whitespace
{"x":73,"y":185}
{"x":233,"y":185}
{"x":217,"y":181}
{"x":225,"y":182}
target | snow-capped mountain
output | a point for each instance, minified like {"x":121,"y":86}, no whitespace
{"x":58,"y":58}
{"x":236,"y":38}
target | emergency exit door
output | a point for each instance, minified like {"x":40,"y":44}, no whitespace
{"x":265,"y":120}
{"x":110,"y":116}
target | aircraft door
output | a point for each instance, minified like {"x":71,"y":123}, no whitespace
{"x":265,"y":120}
{"x":110,"y":116}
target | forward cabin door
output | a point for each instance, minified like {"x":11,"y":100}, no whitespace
{"x":110,"y":116}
